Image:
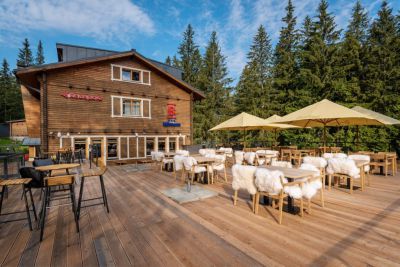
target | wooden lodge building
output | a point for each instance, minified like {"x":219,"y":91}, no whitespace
{"x":125,"y":104}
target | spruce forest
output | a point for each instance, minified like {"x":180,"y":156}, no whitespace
{"x":312,"y":60}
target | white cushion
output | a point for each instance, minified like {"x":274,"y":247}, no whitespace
{"x":243,"y":178}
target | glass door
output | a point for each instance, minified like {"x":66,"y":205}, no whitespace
{"x":112,"y":148}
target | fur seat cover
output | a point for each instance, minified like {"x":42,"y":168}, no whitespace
{"x":239,"y":157}
{"x":182,"y":152}
{"x":243,"y":178}
{"x":310,"y":188}
{"x":362,"y":157}
{"x":278,"y":163}
{"x":178,"y":162}
{"x":318,"y":162}
{"x":189,"y":162}
{"x":249,"y":157}
{"x":343,"y":166}
{"x":334,"y":155}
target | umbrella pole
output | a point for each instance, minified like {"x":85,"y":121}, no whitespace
{"x":276,"y":138}
{"x":324,"y":138}
{"x":244,"y":138}
{"x":357,"y":136}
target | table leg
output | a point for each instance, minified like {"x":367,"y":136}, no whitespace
{"x":290,"y":200}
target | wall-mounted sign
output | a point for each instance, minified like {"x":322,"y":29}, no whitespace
{"x":70,"y":95}
{"x":171,"y":116}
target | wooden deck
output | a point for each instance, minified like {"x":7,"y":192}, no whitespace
{"x":144,"y":228}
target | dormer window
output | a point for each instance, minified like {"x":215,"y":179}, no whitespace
{"x":125,"y":74}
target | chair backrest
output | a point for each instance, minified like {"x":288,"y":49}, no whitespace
{"x":189,"y":162}
{"x":284,"y":164}
{"x":178,"y":162}
{"x":239,"y":157}
{"x":250,"y":157}
{"x":42,"y":162}
{"x":243,"y":178}
{"x":318,"y":162}
{"x":36,"y":176}
{"x":343,"y":166}
{"x":182,"y":152}
{"x":269,"y":181}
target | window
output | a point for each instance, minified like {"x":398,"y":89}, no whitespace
{"x":125,"y":74}
{"x":131,"y":107}
{"x":172,"y":144}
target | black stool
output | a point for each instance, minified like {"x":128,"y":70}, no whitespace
{"x":25,"y":189}
{"x":93,"y":173}
{"x":57,"y":181}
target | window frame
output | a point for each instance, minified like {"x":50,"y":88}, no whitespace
{"x":121,"y":107}
{"x":122,"y":68}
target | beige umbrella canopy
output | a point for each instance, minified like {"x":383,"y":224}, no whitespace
{"x":279,"y":126}
{"x":326,"y":113}
{"x":245,"y":121}
{"x":386,"y":120}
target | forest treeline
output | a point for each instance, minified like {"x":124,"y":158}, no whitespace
{"x":312,"y":60}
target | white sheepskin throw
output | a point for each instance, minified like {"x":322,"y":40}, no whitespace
{"x":157,"y":155}
{"x":239,"y":157}
{"x":294,"y":191}
{"x":310,"y":188}
{"x":249,"y":157}
{"x":188,"y":163}
{"x":284,"y":164}
{"x":243,"y":178}
{"x":318,"y":162}
{"x":178,"y":162}
{"x":182,"y":152}
{"x":362,"y":157}
{"x":334,"y":155}
{"x":269,"y":181}
{"x":343,"y":166}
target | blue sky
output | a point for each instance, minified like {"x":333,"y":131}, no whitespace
{"x":155,"y":27}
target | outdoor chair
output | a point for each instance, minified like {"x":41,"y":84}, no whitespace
{"x":250,"y":158}
{"x":192,"y":168}
{"x":239,"y":157}
{"x":218,"y":166}
{"x":295,"y":157}
{"x":286,"y":155}
{"x":318,"y":162}
{"x":273,"y":184}
{"x":50,"y":195}
{"x":382,"y":161}
{"x":312,"y":185}
{"x":343,"y":169}
{"x":37,"y":178}
{"x":178,"y":166}
{"x":243,"y":178}
{"x":367,"y":168}
{"x":93,"y":173}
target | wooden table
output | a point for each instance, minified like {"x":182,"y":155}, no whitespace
{"x":307,"y":152}
{"x":291,"y":174}
{"x":55,"y":167}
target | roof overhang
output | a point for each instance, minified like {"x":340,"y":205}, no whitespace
{"x":34,"y":70}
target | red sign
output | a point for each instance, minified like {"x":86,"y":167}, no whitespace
{"x":171,"y":116}
{"x":70,"y":95}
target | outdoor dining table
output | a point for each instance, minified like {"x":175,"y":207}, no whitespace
{"x":169,"y":154}
{"x":292,"y":174}
{"x":55,"y":167}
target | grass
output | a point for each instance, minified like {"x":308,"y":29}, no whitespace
{"x":7,"y":142}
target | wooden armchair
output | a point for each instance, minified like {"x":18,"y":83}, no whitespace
{"x":279,"y":197}
{"x":296,"y":156}
{"x":383,"y":161}
{"x":286,"y":155}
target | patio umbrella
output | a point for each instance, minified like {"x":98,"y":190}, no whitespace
{"x":326,"y":113}
{"x":275,"y":118}
{"x":244,"y":122}
{"x":386,"y":120}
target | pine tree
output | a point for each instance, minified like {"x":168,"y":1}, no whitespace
{"x":382,"y":65}
{"x":10,"y":95}
{"x":352,"y":57}
{"x":190,"y":58}
{"x":319,"y":56}
{"x":215,"y":83}
{"x":285,"y":63}
{"x":25,"y":58}
{"x":176,"y":62}
{"x":255,"y":81}
{"x":39,"y":54}
{"x":168,"y":61}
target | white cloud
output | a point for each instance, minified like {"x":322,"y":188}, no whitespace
{"x":105,"y":20}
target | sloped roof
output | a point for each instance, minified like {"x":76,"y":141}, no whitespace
{"x":59,"y":65}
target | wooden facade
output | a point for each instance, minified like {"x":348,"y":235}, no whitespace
{"x":18,"y":129}
{"x":82,"y":104}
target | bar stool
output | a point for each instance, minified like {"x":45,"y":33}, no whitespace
{"x":93,"y":173}
{"x":25,"y":189}
{"x":57,"y":181}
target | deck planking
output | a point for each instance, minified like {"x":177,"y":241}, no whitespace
{"x":144,"y":228}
